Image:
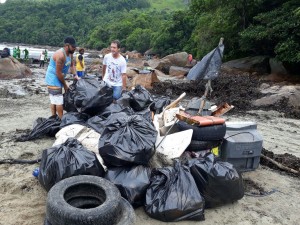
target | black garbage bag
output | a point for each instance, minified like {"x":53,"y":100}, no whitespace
{"x":97,"y":123}
{"x":124,"y":100}
{"x":116,"y":108}
{"x":74,"y":118}
{"x":69,"y":105}
{"x":173,"y":195}
{"x":127,"y":140}
{"x":140,"y":98}
{"x":217,"y":181}
{"x":158,"y":104}
{"x":132,"y":182}
{"x":146,"y":114}
{"x":67,"y":160}
{"x":42,"y":127}
{"x":92,"y":96}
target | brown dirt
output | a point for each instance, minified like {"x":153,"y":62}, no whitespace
{"x":239,"y":91}
{"x":285,"y":159}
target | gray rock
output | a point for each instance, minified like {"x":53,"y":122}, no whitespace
{"x":259,"y":64}
{"x":178,"y":71}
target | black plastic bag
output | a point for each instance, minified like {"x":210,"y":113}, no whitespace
{"x":116,"y":108}
{"x":132,"y":182}
{"x":67,"y":160}
{"x":127,"y":140}
{"x":69,"y":105}
{"x":173,"y":195}
{"x":146,"y":114}
{"x":42,"y":127}
{"x":158,"y":104}
{"x":217,"y":181}
{"x":74,"y":118}
{"x":97,"y":123}
{"x":140,"y":98}
{"x":92,"y":95}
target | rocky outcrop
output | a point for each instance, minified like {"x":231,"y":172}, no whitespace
{"x":257,"y":64}
{"x":133,"y":55}
{"x":290,"y":94}
{"x":164,"y":64}
{"x":10,"y":68}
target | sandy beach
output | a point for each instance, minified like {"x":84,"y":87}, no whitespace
{"x":22,"y":199}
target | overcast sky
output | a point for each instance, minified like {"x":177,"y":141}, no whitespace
{"x":2,"y":1}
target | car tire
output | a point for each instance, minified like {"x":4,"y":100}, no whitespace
{"x":202,"y":145}
{"x":127,"y":216}
{"x":83,"y":200}
{"x":205,"y":133}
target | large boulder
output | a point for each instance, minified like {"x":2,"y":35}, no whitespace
{"x":10,"y":68}
{"x":145,"y":80}
{"x":178,"y":71}
{"x":276,"y":94}
{"x":133,"y":55}
{"x":277,"y":67}
{"x":258,"y":64}
{"x":177,"y":59}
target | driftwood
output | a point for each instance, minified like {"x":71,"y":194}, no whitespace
{"x":279,"y":165}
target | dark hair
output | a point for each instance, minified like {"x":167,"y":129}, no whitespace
{"x":116,"y":42}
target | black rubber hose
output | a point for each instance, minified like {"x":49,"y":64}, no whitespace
{"x":19,"y":161}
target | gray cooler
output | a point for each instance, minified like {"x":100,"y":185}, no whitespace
{"x":242,"y":145}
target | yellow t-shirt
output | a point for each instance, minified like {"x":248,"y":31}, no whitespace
{"x":78,"y":65}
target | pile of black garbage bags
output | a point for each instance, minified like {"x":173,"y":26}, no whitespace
{"x":126,"y":145}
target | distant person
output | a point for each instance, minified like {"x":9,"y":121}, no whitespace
{"x":26,"y":53}
{"x":58,"y":67}
{"x":46,"y":55}
{"x":18,"y":51}
{"x":190,"y":58}
{"x":114,"y":70}
{"x":80,"y":66}
{"x":42,"y":59}
{"x":127,"y":57}
{"x":14,"y":52}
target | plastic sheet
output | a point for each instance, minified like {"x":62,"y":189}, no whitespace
{"x":217,"y":181}
{"x":67,"y":160}
{"x":209,"y":66}
{"x":127,"y":140}
{"x":132,"y":182}
{"x":173,"y":195}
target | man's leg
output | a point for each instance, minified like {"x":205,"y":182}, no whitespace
{"x":53,"y":109}
{"x":60,"y":110}
{"x":117,"y":92}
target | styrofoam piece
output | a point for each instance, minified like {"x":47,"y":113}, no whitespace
{"x":174,"y":144}
{"x":169,"y":116}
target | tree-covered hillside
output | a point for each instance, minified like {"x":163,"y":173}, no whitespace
{"x":250,"y":27}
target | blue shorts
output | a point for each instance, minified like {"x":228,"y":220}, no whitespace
{"x":80,"y":73}
{"x":117,"y":92}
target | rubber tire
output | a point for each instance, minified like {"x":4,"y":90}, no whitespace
{"x":206,"y":133}
{"x":202,"y":145}
{"x":127,"y":216}
{"x":60,"y":212}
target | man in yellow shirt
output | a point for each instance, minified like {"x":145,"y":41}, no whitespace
{"x":80,"y":66}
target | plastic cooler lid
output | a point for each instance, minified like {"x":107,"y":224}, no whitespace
{"x":240,"y":125}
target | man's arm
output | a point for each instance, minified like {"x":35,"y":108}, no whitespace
{"x":103,"y":71}
{"x":60,"y":61}
{"x":124,"y":77}
{"x":73,"y":70}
